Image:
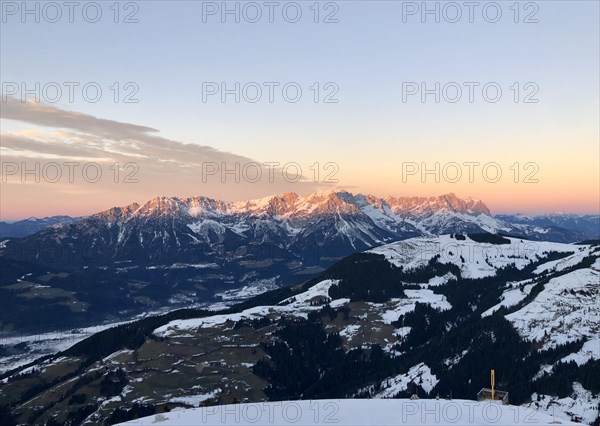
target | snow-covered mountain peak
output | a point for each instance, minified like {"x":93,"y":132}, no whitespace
{"x":291,"y":205}
{"x":117,"y":214}
{"x":336,"y":221}
{"x":331,"y":202}
{"x":163,"y":206}
{"x":425,"y":206}
{"x":200,"y":206}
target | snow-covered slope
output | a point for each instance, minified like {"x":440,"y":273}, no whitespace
{"x":350,"y":412}
{"x":297,"y":306}
{"x":568,"y":307}
{"x":420,"y":374}
{"x":428,"y":315}
{"x":566,"y":310}
{"x":474,"y":259}
{"x":582,"y":406}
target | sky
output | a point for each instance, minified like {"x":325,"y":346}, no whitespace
{"x":360,"y":121}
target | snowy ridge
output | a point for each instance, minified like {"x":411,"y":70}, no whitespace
{"x":476,"y":260}
{"x":318,"y":291}
{"x":178,"y":327}
{"x":419,"y":374}
{"x":515,"y":292}
{"x":298,"y":306}
{"x":396,"y":308}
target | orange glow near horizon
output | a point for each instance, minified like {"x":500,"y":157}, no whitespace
{"x":541,"y":173}
{"x":21,"y":201}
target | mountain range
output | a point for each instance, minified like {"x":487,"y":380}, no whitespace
{"x":30,"y":226}
{"x":172,"y":229}
{"x":586,"y":224}
{"x":172,"y":251}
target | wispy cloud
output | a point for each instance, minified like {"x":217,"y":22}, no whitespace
{"x":130,"y":138}
{"x":161,"y":166}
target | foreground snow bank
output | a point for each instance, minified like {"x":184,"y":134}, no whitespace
{"x":355,"y":412}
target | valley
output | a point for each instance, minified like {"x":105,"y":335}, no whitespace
{"x":171,"y":252}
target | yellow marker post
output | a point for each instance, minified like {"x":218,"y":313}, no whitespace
{"x":493,"y":380}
